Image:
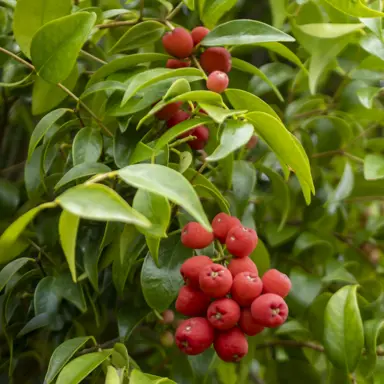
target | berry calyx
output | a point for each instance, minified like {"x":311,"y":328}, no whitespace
{"x":195,"y":236}
{"x":178,"y":118}
{"x":245,"y":288}
{"x":269,"y":310}
{"x":191,"y":268}
{"x":175,"y":64}
{"x":217,"y":81}
{"x":245,"y":264}
{"x":192,"y":302}
{"x":178,"y":43}
{"x":194,"y":336}
{"x":198,"y":34}
{"x":248,"y":324}
{"x":216,"y":59}
{"x":276,"y":282}
{"x":223,"y":314}
{"x":169,"y":110}
{"x":241,"y":241}
{"x":221,"y":224}
{"x":231,"y":345}
{"x":215,"y":280}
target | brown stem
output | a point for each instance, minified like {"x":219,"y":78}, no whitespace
{"x":85,"y":53}
{"x":175,"y":11}
{"x":116,"y":24}
{"x":17,"y":58}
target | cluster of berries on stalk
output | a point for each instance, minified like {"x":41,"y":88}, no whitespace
{"x":225,"y":303}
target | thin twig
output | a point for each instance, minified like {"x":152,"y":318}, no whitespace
{"x":107,"y":344}
{"x":310,"y":113}
{"x":291,"y":343}
{"x":17,"y":58}
{"x":85,"y":53}
{"x":328,"y":153}
{"x":141,"y":9}
{"x":116,"y":24}
{"x":175,"y":11}
{"x":196,"y":62}
{"x":182,"y":141}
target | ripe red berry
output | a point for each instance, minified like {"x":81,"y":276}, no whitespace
{"x":192,"y":302}
{"x":169,"y":110}
{"x":194,"y":336}
{"x":241,"y":241}
{"x":223,"y":314}
{"x":221,"y":224}
{"x":252,"y":142}
{"x":217,"y":82}
{"x":175,"y":64}
{"x":177,"y":118}
{"x":178,"y":43}
{"x":215,"y":280}
{"x":216,"y":59}
{"x":248,"y":324}
{"x":231,"y":345}
{"x":244,"y":264}
{"x":269,"y":310}
{"x":191,"y":268}
{"x":195,"y":236}
{"x":202,"y":135}
{"x":198,"y":34}
{"x":246,"y":287}
{"x":168,"y":316}
{"x":276,"y":282}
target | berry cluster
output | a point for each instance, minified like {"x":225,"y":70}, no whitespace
{"x":216,"y":61}
{"x":225,"y":303}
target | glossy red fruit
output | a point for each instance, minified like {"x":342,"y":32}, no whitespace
{"x":191,"y":268}
{"x":223,"y":314}
{"x":241,"y":241}
{"x":246,"y":287}
{"x":178,"y":43}
{"x":221,"y":224}
{"x":192,"y":302}
{"x":217,"y":81}
{"x":198,"y":34}
{"x":269,"y":310}
{"x":175,"y":64}
{"x":195,"y":236}
{"x":276,"y":282}
{"x":245,"y":264}
{"x":231,"y":345}
{"x":248,"y":324}
{"x":202,"y":135}
{"x":169,"y":110}
{"x":168,"y":317}
{"x":216,"y":59}
{"x":178,"y":118}
{"x":194,"y":336}
{"x":215,"y":280}
{"x":252,"y":142}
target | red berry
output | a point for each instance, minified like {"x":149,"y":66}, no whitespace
{"x":252,"y":142}
{"x":231,"y":345}
{"x":202,"y":135}
{"x":247,"y":323}
{"x":198,"y":34}
{"x":191,"y":268}
{"x":246,"y":287}
{"x":269,"y":310}
{"x":195,"y":236}
{"x":217,"y":82}
{"x":215,"y":280}
{"x":216,"y":59}
{"x":241,"y":241}
{"x":178,"y":43}
{"x":244,"y":264}
{"x":169,"y":110}
{"x":168,"y":316}
{"x":223,"y":314}
{"x":276,"y":282}
{"x":177,"y":118}
{"x":175,"y":64}
{"x":221,"y":224}
{"x":194,"y":336}
{"x":192,"y":302}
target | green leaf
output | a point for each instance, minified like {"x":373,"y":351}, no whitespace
{"x":82,"y":170}
{"x":220,"y":114}
{"x":55,"y":46}
{"x":343,"y":329}
{"x":112,"y":376}
{"x":166,"y":182}
{"x":309,"y":243}
{"x":242,"y":32}
{"x":374,"y":167}
{"x":62,"y":354}
{"x":68,"y":226}
{"x":31,"y":15}
{"x":374,"y":24}
{"x":46,"y":299}
{"x":11,"y":269}
{"x":128,"y":320}
{"x":330,"y":31}
{"x":235,"y":134}
{"x":87,"y":146}
{"x":316,"y":315}
{"x":279,"y":13}
{"x":78,"y":369}
{"x":200,"y":97}
{"x":373,"y":45}
{"x":108,"y":85}
{"x":186,"y":159}
{"x":40,"y":321}
{"x":99,"y":202}
{"x":367,"y":95}
{"x":190,"y":4}
{"x":161,"y":283}
{"x":260,"y":256}
{"x":124,"y":146}
{"x":215,"y":10}
{"x":146,"y":32}
{"x":179,"y":87}
{"x":354,"y":8}
{"x":15,"y":84}
{"x":249,"y":68}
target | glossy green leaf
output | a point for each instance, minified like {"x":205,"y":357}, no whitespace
{"x":10,"y":269}
{"x":242,"y":32}
{"x":355,"y":8}
{"x":87,"y":146}
{"x":330,"y":31}
{"x":128,"y":320}
{"x":31,"y":15}
{"x":179,"y":87}
{"x":372,"y":331}
{"x":215,"y":10}
{"x":190,"y":4}
{"x":79,"y":368}
{"x":309,"y":241}
{"x":316,"y":315}
{"x":367,"y":95}
{"x":374,"y":167}
{"x":235,"y":134}
{"x":343,"y":329}
{"x":166,"y":182}
{"x":40,"y":321}
{"x":373,"y":45}
{"x":186,"y":159}
{"x":99,"y":202}
{"x":139,"y":35}
{"x":220,"y":114}
{"x":124,"y":146}
{"x":108,"y":85}
{"x":200,"y":97}
{"x":374,"y":24}
{"x":55,"y":46}
{"x":260,"y":256}
{"x":112,"y":376}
